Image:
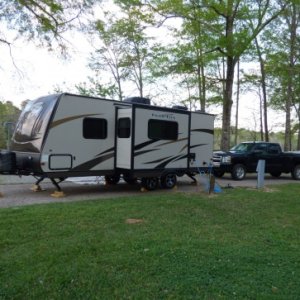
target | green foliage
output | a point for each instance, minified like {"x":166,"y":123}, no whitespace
{"x":94,"y":88}
{"x":8,"y":116}
{"x":123,"y":50}
{"x":252,"y":135}
{"x":239,"y":244}
{"x":43,"y":20}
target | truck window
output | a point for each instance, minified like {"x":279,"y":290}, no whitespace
{"x":273,"y":149}
{"x":162,"y":130}
{"x":243,"y":147}
{"x":94,"y":128}
{"x":261,"y":147}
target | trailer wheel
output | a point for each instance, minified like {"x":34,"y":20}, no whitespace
{"x":149,"y":183}
{"x":275,"y":174}
{"x":296,"y":172}
{"x":113,"y":179}
{"x":168,"y":181}
{"x":238,"y":172}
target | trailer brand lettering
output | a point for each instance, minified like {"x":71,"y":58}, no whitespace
{"x":164,"y":116}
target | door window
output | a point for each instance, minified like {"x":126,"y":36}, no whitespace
{"x":124,"y":125}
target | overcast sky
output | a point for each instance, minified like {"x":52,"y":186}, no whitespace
{"x":30,"y":72}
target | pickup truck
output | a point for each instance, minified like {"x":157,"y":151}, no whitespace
{"x":243,"y":158}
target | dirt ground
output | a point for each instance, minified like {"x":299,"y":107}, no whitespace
{"x":17,"y":191}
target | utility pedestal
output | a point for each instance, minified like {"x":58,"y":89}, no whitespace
{"x":260,"y":169}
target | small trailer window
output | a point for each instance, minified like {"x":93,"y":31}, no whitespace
{"x":124,"y":128}
{"x":162,"y":130}
{"x":94,"y":128}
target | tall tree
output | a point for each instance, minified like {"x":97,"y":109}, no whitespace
{"x":108,"y":56}
{"x":234,"y":24}
{"x":283,"y":66}
{"x":123,"y":49}
{"x":292,"y":19}
{"x":242,"y":21}
{"x":263,"y":80}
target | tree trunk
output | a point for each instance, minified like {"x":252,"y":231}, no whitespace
{"x":261,"y":117}
{"x":227,"y":104}
{"x":291,"y":71}
{"x":287,"y":135}
{"x":237,"y":104}
{"x":298,"y":137}
{"x":264,"y":89}
{"x":230,"y":65}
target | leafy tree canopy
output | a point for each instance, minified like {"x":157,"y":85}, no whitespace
{"x":40,"y":20}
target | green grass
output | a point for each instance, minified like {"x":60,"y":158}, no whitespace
{"x":238,"y":244}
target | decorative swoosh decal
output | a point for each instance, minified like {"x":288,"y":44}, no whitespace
{"x":93,"y":162}
{"x":210,"y":131}
{"x":157,"y":160}
{"x":144,"y":151}
{"x":184,"y":147}
{"x":163,"y":165}
{"x":171,"y":142}
{"x":142,"y":145}
{"x":198,"y":145}
{"x":65,"y":120}
{"x":106,"y":151}
{"x":181,"y":157}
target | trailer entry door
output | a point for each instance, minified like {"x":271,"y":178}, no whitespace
{"x":124,"y":138}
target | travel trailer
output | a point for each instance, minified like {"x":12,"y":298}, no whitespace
{"x":65,"y":135}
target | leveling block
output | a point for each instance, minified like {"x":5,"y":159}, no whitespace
{"x":58,"y":194}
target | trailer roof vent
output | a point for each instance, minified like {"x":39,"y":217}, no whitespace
{"x":139,"y":100}
{"x":180,"y":107}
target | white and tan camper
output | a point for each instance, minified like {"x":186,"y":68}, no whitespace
{"x":65,"y":135}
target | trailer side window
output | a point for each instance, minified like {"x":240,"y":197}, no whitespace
{"x":162,"y":130}
{"x":124,"y":128}
{"x":94,"y":128}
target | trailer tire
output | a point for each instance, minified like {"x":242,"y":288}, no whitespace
{"x":168,"y":181}
{"x":149,"y":183}
{"x":238,"y":172}
{"x":296,"y":172}
{"x":112,"y":179}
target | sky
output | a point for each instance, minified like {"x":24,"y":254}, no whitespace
{"x":30,"y":72}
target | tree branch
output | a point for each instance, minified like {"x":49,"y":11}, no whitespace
{"x":3,"y":41}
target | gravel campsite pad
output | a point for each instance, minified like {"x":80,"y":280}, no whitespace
{"x":17,"y":191}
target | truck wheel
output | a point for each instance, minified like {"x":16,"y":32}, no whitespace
{"x":113,"y":179}
{"x":296,"y":172}
{"x":168,"y":181}
{"x":218,"y":173}
{"x":149,"y":183}
{"x":238,"y":172}
{"x":275,"y":174}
